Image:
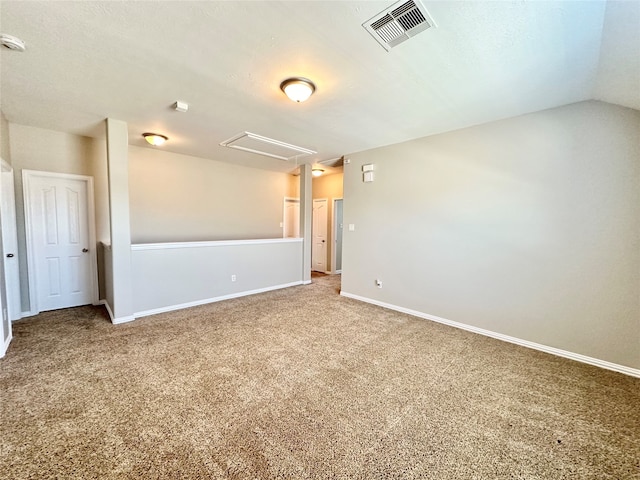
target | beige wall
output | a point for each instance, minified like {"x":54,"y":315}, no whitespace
{"x":193,"y":274}
{"x":527,"y":227}
{"x":182,"y":198}
{"x":45,"y":150}
{"x":5,"y":150}
{"x":329,"y":187}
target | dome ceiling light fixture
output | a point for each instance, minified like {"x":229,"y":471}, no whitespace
{"x":316,"y":172}
{"x":155,"y":139}
{"x":12,"y":43}
{"x":298,"y":89}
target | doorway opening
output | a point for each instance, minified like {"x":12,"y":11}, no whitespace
{"x":327,"y":221}
{"x":60,"y":234}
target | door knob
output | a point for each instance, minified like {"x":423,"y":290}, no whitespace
{"x":9,"y":255}
{"x":85,"y":250}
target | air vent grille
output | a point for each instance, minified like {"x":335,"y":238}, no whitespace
{"x":405,"y":7}
{"x":387,"y":29}
{"x":398,"y":23}
{"x":412,"y":19}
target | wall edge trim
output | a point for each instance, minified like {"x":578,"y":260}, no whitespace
{"x":633,"y":372}
{"x":213,"y":243}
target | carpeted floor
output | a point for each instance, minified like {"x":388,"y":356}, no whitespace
{"x":302,"y":383}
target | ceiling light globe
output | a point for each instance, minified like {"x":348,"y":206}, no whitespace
{"x":298,"y":89}
{"x":316,"y":172}
{"x":154,"y":139}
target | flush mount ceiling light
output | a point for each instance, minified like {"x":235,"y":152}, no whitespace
{"x":316,"y":172}
{"x":298,"y":89}
{"x":12,"y":43}
{"x":155,"y":139}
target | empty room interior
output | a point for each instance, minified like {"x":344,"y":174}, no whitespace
{"x":320,"y":239}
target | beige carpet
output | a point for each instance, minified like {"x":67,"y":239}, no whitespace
{"x":302,"y":383}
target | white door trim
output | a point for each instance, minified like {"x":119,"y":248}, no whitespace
{"x":27,"y":176}
{"x":4,"y":342}
{"x":334,"y":233}
{"x":326,"y":203}
{"x":12,"y":287}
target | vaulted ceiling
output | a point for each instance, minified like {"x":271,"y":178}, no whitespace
{"x":86,"y":61}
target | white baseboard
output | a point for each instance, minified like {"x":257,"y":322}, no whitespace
{"x":5,"y":346}
{"x":634,"y":372}
{"x":172,"y":308}
{"x":306,"y":282}
{"x":119,"y":320}
{"x":26,"y":314}
{"x":115,"y":320}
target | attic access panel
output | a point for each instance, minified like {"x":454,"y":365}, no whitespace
{"x":398,"y":23}
{"x":253,"y":143}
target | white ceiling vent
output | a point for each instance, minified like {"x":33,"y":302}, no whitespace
{"x":398,"y":23}
{"x":250,"y":142}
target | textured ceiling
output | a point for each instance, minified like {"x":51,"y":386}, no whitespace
{"x":86,"y":61}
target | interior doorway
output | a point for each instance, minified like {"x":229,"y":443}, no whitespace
{"x":291,"y":227}
{"x":319,"y":235}
{"x":329,"y":187}
{"x":60,"y":240}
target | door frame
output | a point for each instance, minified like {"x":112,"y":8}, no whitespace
{"x":10,"y":289}
{"x":326,"y":264}
{"x":5,"y":314}
{"x":27,"y":176}
{"x":334,"y":232}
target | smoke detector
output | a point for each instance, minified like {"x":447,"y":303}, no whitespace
{"x":398,"y":23}
{"x":12,"y":43}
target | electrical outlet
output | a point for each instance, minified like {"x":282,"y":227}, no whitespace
{"x":378,"y":283}
{"x":233,"y":278}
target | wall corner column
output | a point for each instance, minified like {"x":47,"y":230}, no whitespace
{"x":305,"y":220}
{"x":118,"y":178}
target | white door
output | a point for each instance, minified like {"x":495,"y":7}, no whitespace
{"x":291,"y":218}
{"x":319,"y":235}
{"x":10,"y":243}
{"x":59,"y":240}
